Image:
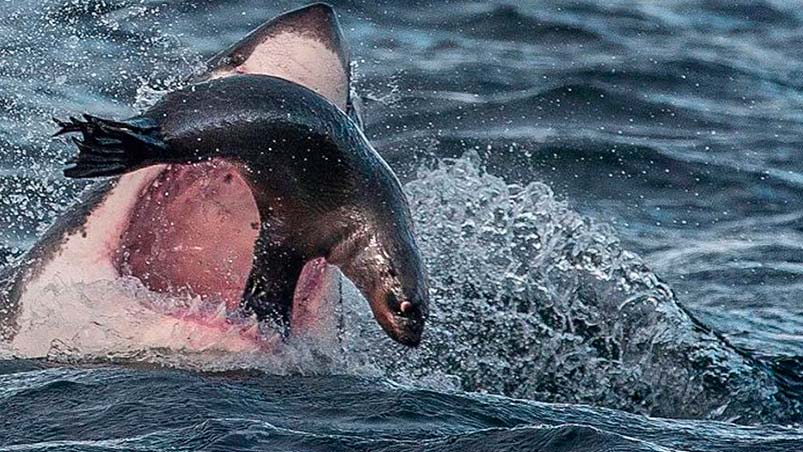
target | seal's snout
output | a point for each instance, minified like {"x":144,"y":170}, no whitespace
{"x":404,"y":319}
{"x":406,"y":328}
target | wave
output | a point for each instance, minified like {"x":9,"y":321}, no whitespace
{"x":156,"y":409}
{"x":750,"y":13}
{"x":566,"y":308}
{"x":507,"y":22}
{"x":562,"y":108}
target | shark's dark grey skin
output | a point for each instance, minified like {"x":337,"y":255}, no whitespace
{"x":293,"y":135}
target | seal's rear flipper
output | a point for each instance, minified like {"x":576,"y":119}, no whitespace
{"x":111,"y":148}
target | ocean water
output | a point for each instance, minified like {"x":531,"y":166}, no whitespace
{"x":608,"y":195}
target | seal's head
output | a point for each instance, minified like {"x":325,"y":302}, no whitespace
{"x":402,"y":316}
{"x":384,"y":262}
{"x":399,"y":298}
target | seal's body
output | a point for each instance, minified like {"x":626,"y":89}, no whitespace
{"x":245,"y":187}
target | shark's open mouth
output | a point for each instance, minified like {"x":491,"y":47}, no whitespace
{"x":192,"y":231}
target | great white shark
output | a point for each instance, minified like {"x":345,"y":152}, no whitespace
{"x":244,"y":193}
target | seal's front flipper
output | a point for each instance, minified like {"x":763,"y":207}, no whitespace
{"x":111,"y":148}
{"x":272,"y":282}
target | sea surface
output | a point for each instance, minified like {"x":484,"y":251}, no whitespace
{"x":608,"y":195}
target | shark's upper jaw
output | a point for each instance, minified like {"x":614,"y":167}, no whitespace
{"x":305,"y":46}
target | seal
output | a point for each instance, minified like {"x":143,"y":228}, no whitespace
{"x":252,"y":186}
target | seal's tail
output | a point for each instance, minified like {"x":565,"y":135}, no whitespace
{"x":110,"y":148}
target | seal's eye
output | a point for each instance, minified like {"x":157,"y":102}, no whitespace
{"x":393,"y":303}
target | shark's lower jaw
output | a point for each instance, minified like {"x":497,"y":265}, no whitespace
{"x":162,"y":262}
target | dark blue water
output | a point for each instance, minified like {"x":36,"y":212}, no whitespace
{"x":609,"y":197}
